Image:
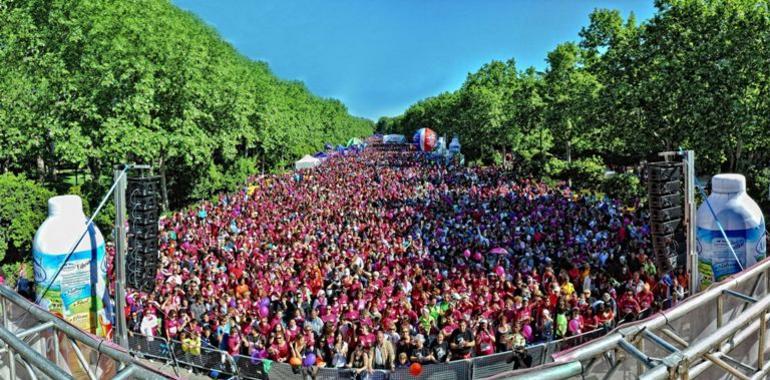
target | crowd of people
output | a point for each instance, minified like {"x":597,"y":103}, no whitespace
{"x":384,"y":257}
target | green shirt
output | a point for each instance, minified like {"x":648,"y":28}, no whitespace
{"x":561,"y":324}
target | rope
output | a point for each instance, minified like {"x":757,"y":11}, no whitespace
{"x":721,"y":229}
{"x":714,"y":214}
{"x":85,"y":231}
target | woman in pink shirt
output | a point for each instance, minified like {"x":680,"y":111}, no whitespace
{"x":366,"y":338}
{"x":485,"y":339}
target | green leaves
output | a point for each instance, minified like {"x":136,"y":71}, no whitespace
{"x":695,"y":76}
{"x":23,"y":209}
{"x":87,"y":84}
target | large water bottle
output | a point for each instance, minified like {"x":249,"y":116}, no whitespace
{"x":78,"y":294}
{"x":744,"y":226}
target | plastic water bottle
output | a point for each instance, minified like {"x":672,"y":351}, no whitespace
{"x":743,"y":224}
{"x":78,"y":293}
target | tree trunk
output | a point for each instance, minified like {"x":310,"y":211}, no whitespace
{"x":737,"y":161}
{"x":40,"y":167}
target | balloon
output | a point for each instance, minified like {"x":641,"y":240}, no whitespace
{"x":467,"y":254}
{"x":295,"y":361}
{"x":574,"y":326}
{"x":500,"y":271}
{"x":263,"y":311}
{"x":477,"y":256}
{"x":415,"y":369}
{"x":309,"y":360}
{"x":527,"y":332}
{"x":264,"y":302}
{"x":425,"y":138}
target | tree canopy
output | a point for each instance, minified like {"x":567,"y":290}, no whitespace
{"x":87,"y":84}
{"x":694,"y":76}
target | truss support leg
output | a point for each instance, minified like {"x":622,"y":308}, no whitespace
{"x":762,"y":333}
{"x":636,"y":353}
{"x":712,"y":358}
{"x":613,"y":369}
{"x":720,"y":310}
{"x":82,"y":359}
{"x":659,"y":341}
{"x":740,"y":296}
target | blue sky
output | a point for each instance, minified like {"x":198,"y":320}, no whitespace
{"x":379,"y":57}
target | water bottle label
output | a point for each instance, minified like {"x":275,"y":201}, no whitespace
{"x":715,"y":259}
{"x":70,"y":295}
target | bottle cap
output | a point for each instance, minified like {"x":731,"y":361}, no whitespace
{"x":65,"y":205}
{"x":728,"y":183}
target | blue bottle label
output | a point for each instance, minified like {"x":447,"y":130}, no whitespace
{"x":715,"y":260}
{"x":72,"y":296}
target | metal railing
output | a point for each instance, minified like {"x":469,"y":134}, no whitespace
{"x":243,"y":367}
{"x":718,"y":333}
{"x":54,"y":339}
{"x":220,"y":363}
{"x":36,"y":344}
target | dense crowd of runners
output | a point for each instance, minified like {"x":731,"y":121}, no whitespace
{"x":384,"y":257}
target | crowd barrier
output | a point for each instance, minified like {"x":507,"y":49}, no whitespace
{"x":218,"y":363}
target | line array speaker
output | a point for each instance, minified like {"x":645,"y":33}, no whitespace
{"x":142,"y":256}
{"x":664,"y":188}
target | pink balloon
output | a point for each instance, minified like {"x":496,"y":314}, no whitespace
{"x":477,"y":256}
{"x":527,"y":332}
{"x":467,"y":254}
{"x":263,"y":311}
{"x":500,"y":271}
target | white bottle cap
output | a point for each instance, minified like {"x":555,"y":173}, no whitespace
{"x":728,"y":183}
{"x":65,"y":205}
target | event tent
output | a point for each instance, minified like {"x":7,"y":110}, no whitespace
{"x":354,"y":141}
{"x":307,"y":162}
{"x":393,"y":139}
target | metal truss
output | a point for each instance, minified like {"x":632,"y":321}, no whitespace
{"x":721,"y":332}
{"x":35,"y":347}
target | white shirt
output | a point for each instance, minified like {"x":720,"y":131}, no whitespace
{"x":148,"y":325}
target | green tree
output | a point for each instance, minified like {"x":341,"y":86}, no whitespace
{"x":570,"y":99}
{"x":22,"y":211}
{"x":87,"y":84}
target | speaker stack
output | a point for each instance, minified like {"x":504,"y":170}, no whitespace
{"x":142,"y":207}
{"x":665,"y":193}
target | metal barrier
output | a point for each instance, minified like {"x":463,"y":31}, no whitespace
{"x":209,"y":360}
{"x":246,"y":368}
{"x":36,"y":344}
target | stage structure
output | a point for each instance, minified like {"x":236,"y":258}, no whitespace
{"x":38,"y":345}
{"x":717,"y":334}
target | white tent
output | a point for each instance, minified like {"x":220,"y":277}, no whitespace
{"x":441,"y":145}
{"x":393,"y":139}
{"x":307,"y":162}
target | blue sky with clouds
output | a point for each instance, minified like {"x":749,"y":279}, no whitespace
{"x":379,"y":57}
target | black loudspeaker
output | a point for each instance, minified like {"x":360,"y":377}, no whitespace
{"x":142,"y":206}
{"x":664,"y":188}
